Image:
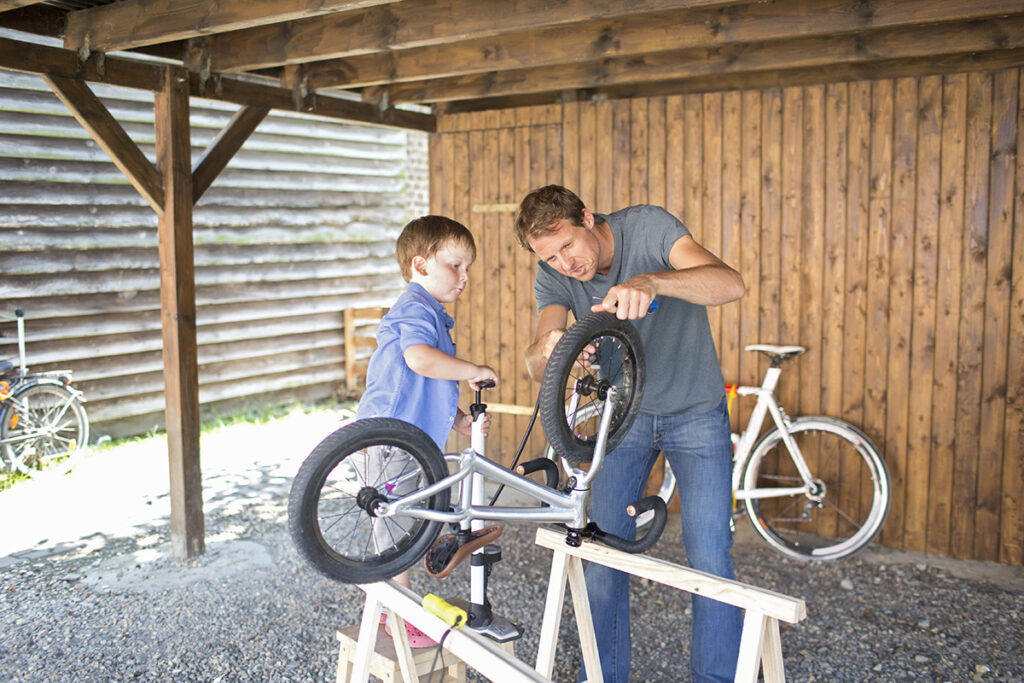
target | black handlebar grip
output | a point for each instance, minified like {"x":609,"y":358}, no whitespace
{"x":549,"y":467}
{"x":647,"y":541}
{"x":485,"y":384}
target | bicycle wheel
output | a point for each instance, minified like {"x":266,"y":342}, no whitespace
{"x":849,"y":498}
{"x":42,"y":422}
{"x":573,"y":393}
{"x":331,"y":506}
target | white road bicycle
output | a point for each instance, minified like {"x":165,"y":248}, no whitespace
{"x":42,"y":418}
{"x":813,"y":487}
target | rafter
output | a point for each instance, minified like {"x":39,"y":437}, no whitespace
{"x":637,"y":34}
{"x":413,"y":23}
{"x":134,"y":23}
{"x":818,"y":51}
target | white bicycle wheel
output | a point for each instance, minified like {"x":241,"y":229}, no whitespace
{"x":842,"y":509}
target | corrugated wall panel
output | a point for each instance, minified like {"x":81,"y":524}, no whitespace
{"x":298,"y":227}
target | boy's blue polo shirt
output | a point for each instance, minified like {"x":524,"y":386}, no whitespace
{"x":392,"y":388}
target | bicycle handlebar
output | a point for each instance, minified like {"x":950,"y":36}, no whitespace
{"x":645,"y":542}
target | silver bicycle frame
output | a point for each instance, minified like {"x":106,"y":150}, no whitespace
{"x":568,"y":508}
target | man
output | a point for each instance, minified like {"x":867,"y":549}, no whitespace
{"x":620,"y":263}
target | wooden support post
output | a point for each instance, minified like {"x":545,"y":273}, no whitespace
{"x":178,"y":309}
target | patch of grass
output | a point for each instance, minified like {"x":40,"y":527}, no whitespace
{"x":9,"y":479}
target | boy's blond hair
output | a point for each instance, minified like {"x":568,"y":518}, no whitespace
{"x":423,"y":236}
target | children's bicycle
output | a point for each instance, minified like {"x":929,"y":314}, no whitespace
{"x":42,"y":418}
{"x":372,"y":498}
{"x":814,"y":487}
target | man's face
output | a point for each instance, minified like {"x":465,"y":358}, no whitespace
{"x":572,"y":250}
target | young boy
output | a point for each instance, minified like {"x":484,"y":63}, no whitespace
{"x":414,"y":374}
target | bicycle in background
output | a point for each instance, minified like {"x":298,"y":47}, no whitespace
{"x":42,"y":419}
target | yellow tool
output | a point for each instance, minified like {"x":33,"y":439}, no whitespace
{"x":444,"y":610}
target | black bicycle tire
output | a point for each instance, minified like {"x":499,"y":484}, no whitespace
{"x":559,"y":368}
{"x":306,"y":488}
{"x":880,"y":501}
{"x":77,"y":410}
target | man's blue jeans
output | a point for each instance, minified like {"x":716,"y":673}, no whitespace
{"x":700,"y":451}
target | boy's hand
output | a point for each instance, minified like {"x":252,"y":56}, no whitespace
{"x":464,"y":424}
{"x":483,"y":372}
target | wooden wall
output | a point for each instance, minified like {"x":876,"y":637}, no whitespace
{"x":879,"y":223}
{"x":300,"y":226}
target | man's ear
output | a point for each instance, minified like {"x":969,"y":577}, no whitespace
{"x":419,"y":265}
{"x":588,"y":219}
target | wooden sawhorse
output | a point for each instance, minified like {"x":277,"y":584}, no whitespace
{"x":760,"y":645}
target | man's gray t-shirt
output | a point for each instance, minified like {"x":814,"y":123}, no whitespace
{"x":683,"y":373}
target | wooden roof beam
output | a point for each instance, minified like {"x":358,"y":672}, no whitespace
{"x":15,"y":4}
{"x":227,"y":143}
{"x":413,"y":23}
{"x":636,"y":34}
{"x":40,"y":59}
{"x":134,"y":23}
{"x":889,"y":44}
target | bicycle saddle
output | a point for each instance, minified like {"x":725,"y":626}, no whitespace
{"x":451,"y":549}
{"x":776,"y":350}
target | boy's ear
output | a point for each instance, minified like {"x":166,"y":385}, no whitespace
{"x":419,"y":265}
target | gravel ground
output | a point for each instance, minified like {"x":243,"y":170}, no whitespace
{"x":88,"y":591}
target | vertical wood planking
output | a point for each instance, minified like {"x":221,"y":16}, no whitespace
{"x":749,"y":263}
{"x":997,"y":307}
{"x":812,"y":245}
{"x":587,"y":190}
{"x":771,"y":225}
{"x":792,"y":216}
{"x":526,"y":389}
{"x":922,"y":338}
{"x":675,"y":156}
{"x":1011,"y":533}
{"x":947,"y":302}
{"x":656,"y":138}
{"x":729,"y":251}
{"x":489,"y":274}
{"x":693,"y":165}
{"x":604,"y":195}
{"x":710,"y":235}
{"x":637,"y":190}
{"x":620,"y":162}
{"x":972,"y":310}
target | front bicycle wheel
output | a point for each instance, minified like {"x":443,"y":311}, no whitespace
{"x":332,"y":505}
{"x":41,"y":423}
{"x":573,"y":391}
{"x":839,"y":512}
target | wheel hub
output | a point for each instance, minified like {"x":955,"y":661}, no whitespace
{"x":590,"y":385}
{"x":367,"y":499}
{"x":816,"y":490}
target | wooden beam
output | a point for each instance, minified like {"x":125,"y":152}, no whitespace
{"x":110,"y":136}
{"x":130,"y":73}
{"x":133,"y":23}
{"x":224,"y":147}
{"x":889,"y":44}
{"x":178,"y":314}
{"x":15,"y":4}
{"x":637,"y":34}
{"x":413,"y":23}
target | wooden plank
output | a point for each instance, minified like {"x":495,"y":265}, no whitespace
{"x":637,"y":191}
{"x":656,"y":139}
{"x":526,"y":310}
{"x":749,"y":264}
{"x":111,"y":137}
{"x":571,"y":146}
{"x":947,"y":304}
{"x":408,"y":24}
{"x":489,"y":277}
{"x":588,"y":167}
{"x":922,"y":337}
{"x":224,"y":147}
{"x":509,"y":353}
{"x":900,"y":302}
{"x":711,"y":226}
{"x":731,"y":208}
{"x":134,"y":23}
{"x":604,"y":196}
{"x":674,"y":155}
{"x":972,"y":306}
{"x":621,"y":163}
{"x":1011,"y":530}
{"x":791,"y":220}
{"x":770,"y":278}
{"x":178,"y":307}
{"x":997,"y":313}
{"x":855,"y":333}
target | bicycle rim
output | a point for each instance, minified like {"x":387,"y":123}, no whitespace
{"x":43,"y":423}
{"x":332,"y":500}
{"x":849,"y":497}
{"x":573,"y":394}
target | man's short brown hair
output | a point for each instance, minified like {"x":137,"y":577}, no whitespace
{"x":425,"y":235}
{"x":542,"y":208}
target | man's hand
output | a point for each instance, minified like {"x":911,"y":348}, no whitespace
{"x":629,"y":301}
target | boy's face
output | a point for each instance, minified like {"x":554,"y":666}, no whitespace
{"x":445,"y":274}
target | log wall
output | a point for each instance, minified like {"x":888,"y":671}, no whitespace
{"x":298,"y":227}
{"x":879,"y":223}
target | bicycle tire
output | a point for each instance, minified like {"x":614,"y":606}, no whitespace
{"x":621,"y":364}
{"x":334,"y":489}
{"x":854,"y":494}
{"x":41,"y":422}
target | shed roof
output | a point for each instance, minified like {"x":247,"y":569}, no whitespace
{"x":367,"y":59}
